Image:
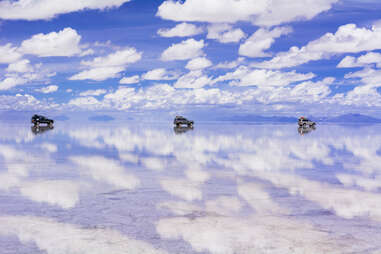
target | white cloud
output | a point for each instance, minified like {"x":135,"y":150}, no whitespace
{"x":119,"y":58}
{"x":20,"y":66}
{"x":160,"y":74}
{"x":216,"y":11}
{"x":347,"y":39}
{"x":85,"y":102}
{"x":22,"y":72}
{"x":365,"y":94}
{"x":361,"y":61}
{"x":281,"y":11}
{"x":47,"y":89}
{"x":48,"y":9}
{"x":96,"y":92}
{"x":244,"y":76}
{"x":24,"y":102}
{"x":261,"y":40}
{"x":225,"y":33}
{"x":98,"y":74}
{"x":64,"y":43}
{"x":9,"y":54}
{"x":12,"y":81}
{"x":156,"y":97}
{"x":230,"y":65}
{"x":193,"y":79}
{"x":110,"y":66}
{"x":130,"y":80}
{"x":181,"y":30}
{"x":187,"y":49}
{"x":261,"y":12}
{"x":198,"y":63}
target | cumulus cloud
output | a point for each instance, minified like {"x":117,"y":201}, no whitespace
{"x":160,"y":74}
{"x":198,"y":63}
{"x":24,"y":102}
{"x":347,"y":39}
{"x":362,"y":61}
{"x":193,"y":79}
{"x":225,"y":33}
{"x":48,"y":9}
{"x":184,"y":50}
{"x":261,"y":12}
{"x":96,"y":92}
{"x":229,"y":65}
{"x":245,"y":76}
{"x":62,"y":43}
{"x":365,"y":94}
{"x":22,"y":72}
{"x":181,"y":30}
{"x":98,"y":74}
{"x":280,"y":11}
{"x":12,"y":81}
{"x":156,"y":97}
{"x":47,"y":89}
{"x":215,"y":11}
{"x":9,"y":53}
{"x":130,"y":80}
{"x":261,"y":40}
{"x":20,"y":66}
{"x":110,"y":66}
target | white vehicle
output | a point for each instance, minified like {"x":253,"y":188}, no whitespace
{"x":304,"y":122}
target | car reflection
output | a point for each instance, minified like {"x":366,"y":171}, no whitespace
{"x":306,"y":129}
{"x":182,"y":129}
{"x":36,"y":129}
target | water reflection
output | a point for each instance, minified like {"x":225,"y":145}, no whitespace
{"x":182,"y":129}
{"x":37,"y":129}
{"x":302,"y":130}
{"x":232,"y":189}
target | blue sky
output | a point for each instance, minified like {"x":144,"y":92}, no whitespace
{"x":221,"y":56}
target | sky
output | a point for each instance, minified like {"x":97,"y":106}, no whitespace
{"x":223,"y":57}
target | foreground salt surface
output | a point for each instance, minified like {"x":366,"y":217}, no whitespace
{"x":122,"y":187}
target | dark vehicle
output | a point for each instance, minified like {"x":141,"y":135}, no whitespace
{"x":304,"y":122}
{"x":180,"y":120}
{"x":306,"y":129}
{"x":36,"y":129}
{"x":38,"y":119}
{"x":182,"y":129}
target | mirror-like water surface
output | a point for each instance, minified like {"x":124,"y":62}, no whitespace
{"x":122,"y":187}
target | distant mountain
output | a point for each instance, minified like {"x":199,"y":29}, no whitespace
{"x":260,"y":119}
{"x":347,"y":118}
{"x":351,"y":118}
{"x":61,"y":118}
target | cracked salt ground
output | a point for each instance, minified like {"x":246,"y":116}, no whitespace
{"x":126,"y":188}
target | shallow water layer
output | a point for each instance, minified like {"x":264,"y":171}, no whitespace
{"x":127,"y":187}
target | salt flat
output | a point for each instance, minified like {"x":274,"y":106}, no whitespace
{"x":128,"y":187}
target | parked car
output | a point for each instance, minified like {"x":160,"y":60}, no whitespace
{"x":180,"y":120}
{"x":302,"y":121}
{"x":38,"y":119}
